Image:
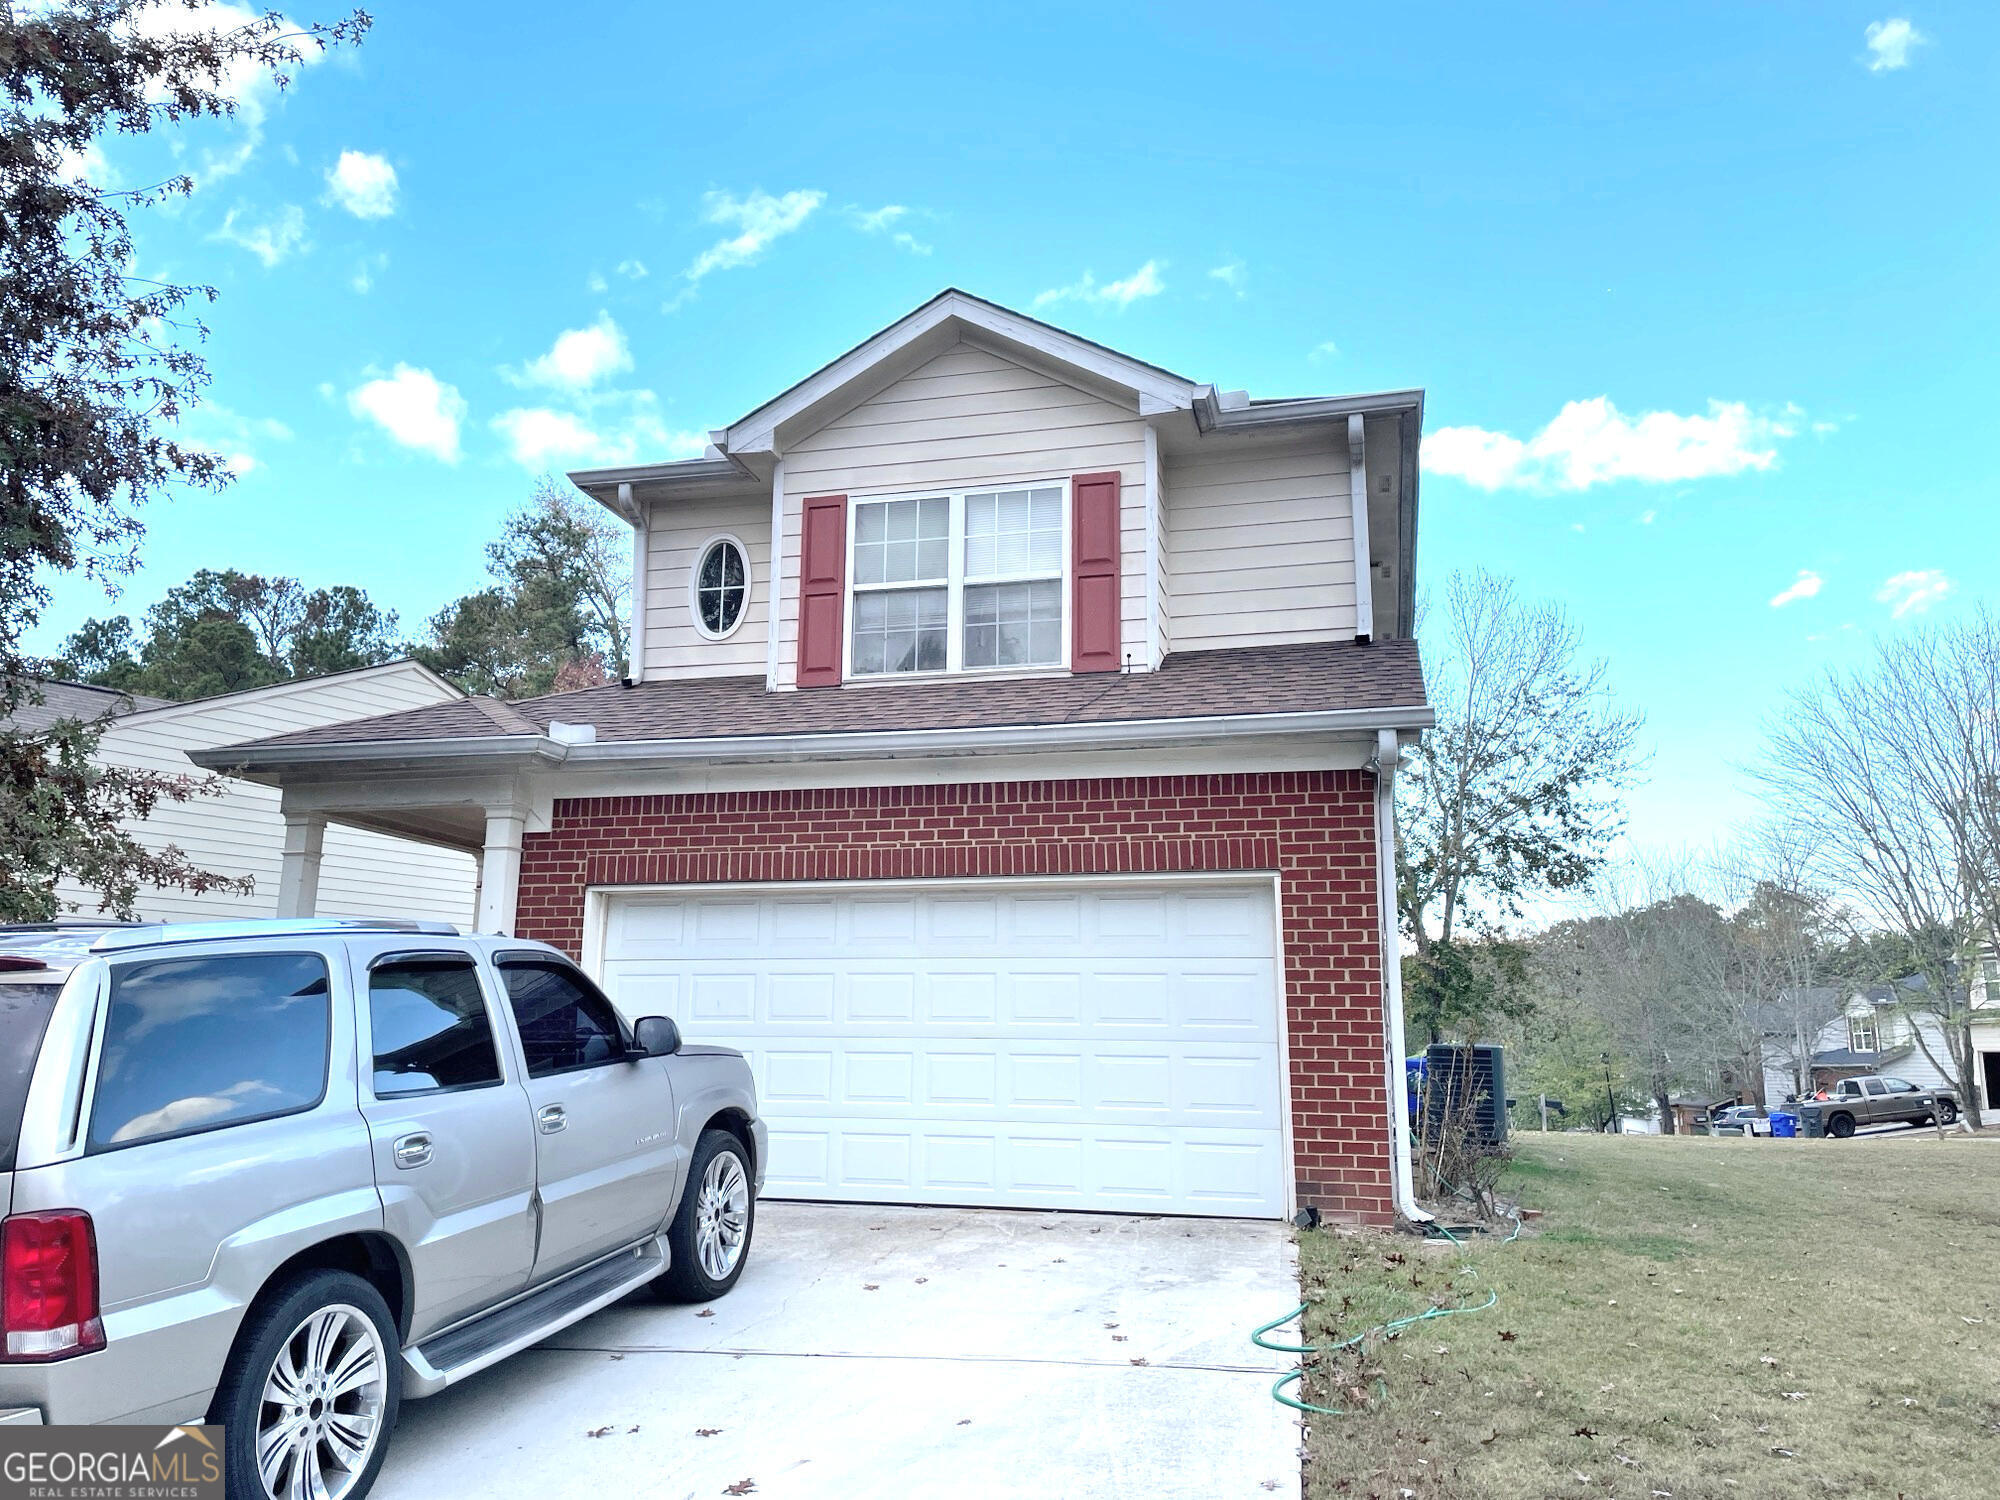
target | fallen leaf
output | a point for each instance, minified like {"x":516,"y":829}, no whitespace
{"x":706,"y":1312}
{"x":1491,"y":1437}
{"x":1765,"y":1359}
{"x":631,"y":1429}
{"x":1138,"y":1361}
{"x":922,"y":1279}
{"x":1630,"y":1463}
{"x":1110,"y":1325}
{"x":1795,"y":1395}
{"x":1506,"y":1337}
{"x":965,"y":1421}
{"x":1120,"y":1338}
{"x":741,"y":1487}
{"x":597,"y":1432}
{"x":869,"y":1286}
{"x":1585,"y":1432}
{"x":706,"y":1431}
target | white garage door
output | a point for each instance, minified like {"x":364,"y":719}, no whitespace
{"x":1098,"y":1045}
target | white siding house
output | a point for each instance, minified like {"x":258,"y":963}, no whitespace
{"x":242,"y":831}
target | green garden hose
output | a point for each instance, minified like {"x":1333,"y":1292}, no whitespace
{"x":1394,"y":1326}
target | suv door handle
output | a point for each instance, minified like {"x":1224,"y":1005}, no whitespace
{"x":412,"y":1150}
{"x":551,"y":1118}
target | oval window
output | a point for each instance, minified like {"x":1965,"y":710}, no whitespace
{"x":721,"y":587}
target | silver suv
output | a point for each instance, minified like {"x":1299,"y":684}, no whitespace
{"x":281,"y":1175}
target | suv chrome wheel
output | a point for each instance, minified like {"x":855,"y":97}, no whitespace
{"x":320,"y":1416}
{"x":722,"y":1215}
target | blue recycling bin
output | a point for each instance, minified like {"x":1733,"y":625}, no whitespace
{"x":1784,"y":1125}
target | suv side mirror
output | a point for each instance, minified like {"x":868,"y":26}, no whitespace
{"x":657,"y":1036}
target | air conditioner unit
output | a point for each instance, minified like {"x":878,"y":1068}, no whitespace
{"x":1458,"y":1080}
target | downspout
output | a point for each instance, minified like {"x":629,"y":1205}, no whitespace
{"x":1388,"y":752}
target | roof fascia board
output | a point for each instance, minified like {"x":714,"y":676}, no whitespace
{"x":484,"y":749}
{"x":1211,"y":416}
{"x":757,"y":431}
{"x":844,"y":744}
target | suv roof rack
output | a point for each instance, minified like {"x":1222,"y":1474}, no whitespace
{"x":157,"y":933}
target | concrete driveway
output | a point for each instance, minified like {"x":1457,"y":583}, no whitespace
{"x":903,"y":1352}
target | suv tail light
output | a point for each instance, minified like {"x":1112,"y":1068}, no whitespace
{"x":48,"y":1286}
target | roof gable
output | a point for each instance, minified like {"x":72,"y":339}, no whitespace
{"x":914,"y":340}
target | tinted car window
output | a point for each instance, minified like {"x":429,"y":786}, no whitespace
{"x":428,"y":1027}
{"x":1873,"y":1086}
{"x":25,"y":1008}
{"x":1898,"y":1086}
{"x":565,"y":1022}
{"x":197,"y":1043}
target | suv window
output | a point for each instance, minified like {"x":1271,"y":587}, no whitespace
{"x":1898,"y":1086}
{"x":25,"y":1008}
{"x":194,"y":1044}
{"x":429,"y":1028}
{"x":564,"y":1019}
{"x":1848,"y":1089}
{"x":1873,"y":1086}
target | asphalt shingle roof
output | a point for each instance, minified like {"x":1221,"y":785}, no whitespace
{"x":1191,"y":684}
{"x":77,"y":700}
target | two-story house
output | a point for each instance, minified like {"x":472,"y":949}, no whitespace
{"x":1005,"y":767}
{"x":1882,"y":1029}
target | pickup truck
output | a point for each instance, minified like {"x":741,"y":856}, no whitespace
{"x":1870,"y":1100}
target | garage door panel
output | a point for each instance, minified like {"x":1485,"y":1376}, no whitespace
{"x":1088,"y":1046}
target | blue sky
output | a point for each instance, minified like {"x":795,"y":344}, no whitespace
{"x":1704,"y":296}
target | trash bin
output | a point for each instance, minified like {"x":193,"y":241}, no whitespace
{"x":1784,"y":1125}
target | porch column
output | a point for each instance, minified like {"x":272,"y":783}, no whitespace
{"x":500,"y":871}
{"x":298,"y":873}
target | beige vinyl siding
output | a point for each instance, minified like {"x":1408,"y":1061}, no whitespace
{"x":1162,"y":568}
{"x":242,"y":831}
{"x":674,"y":647}
{"x":1260,"y":547}
{"x":969,"y":418}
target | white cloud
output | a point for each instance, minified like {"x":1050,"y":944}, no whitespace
{"x":1326,"y":349}
{"x":363,"y":279}
{"x":1232,"y":275}
{"x":1144,"y":282}
{"x":1889,"y":44}
{"x":271,"y":241}
{"x":1915,"y":592}
{"x":1805,"y":586}
{"x":624,"y":429}
{"x":579,"y":358}
{"x":1646,"y":518}
{"x":415,"y":408}
{"x":632,"y":270}
{"x":251,"y":84}
{"x":1592,"y":442}
{"x":758,"y":220}
{"x":883,"y":220}
{"x":875,"y":220}
{"x":234,"y":437}
{"x":362,"y":184}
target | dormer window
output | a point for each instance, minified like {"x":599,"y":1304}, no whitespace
{"x":958,"y":581}
{"x":719,"y":588}
{"x":1861,"y":1034}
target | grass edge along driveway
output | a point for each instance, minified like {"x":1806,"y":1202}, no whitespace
{"x":1693,"y":1317}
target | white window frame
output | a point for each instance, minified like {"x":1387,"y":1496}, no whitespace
{"x":955,"y":584}
{"x":694,"y":586}
{"x":1859,"y":1027}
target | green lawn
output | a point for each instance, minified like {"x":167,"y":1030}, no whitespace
{"x":1690,"y":1317}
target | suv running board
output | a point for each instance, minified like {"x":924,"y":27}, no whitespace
{"x":446,"y":1358}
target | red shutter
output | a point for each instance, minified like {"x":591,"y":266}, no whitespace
{"x":822,"y":585}
{"x":1094,"y":613}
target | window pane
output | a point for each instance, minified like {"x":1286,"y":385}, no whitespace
{"x":900,"y":630}
{"x":429,"y":1028}
{"x":1014,"y":532}
{"x":565,"y":1023}
{"x":1013,"y":624}
{"x":192,"y":1043}
{"x":900,"y":541}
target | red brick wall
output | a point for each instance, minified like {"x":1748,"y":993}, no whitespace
{"x":1315,"y":828}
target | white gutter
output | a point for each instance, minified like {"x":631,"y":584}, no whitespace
{"x":1387,"y":753}
{"x":867,"y":744}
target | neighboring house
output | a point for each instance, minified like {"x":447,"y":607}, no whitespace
{"x":1003,"y":768}
{"x":1879,"y":1030}
{"x":1986,"y":1028}
{"x":242,"y":831}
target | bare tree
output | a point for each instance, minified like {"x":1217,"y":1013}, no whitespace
{"x":1782,"y":928}
{"x":1890,"y":773}
{"x":1515,"y":793}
